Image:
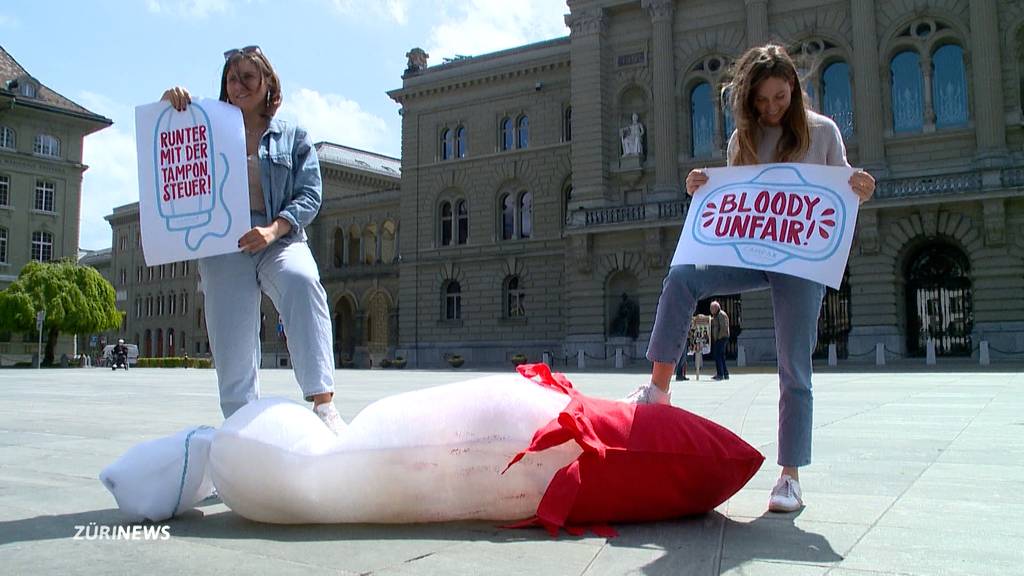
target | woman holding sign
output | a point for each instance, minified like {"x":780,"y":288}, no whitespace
{"x":773,"y":124}
{"x":284,"y":197}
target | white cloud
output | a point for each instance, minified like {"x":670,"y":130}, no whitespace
{"x":393,"y":9}
{"x":112,"y":178}
{"x":481,"y":26}
{"x":334,"y":118}
{"x":193,"y":9}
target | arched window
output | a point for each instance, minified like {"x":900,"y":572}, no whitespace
{"x":446,"y":223}
{"x":446,"y":144}
{"x":566,"y":200}
{"x":567,"y":124}
{"x":387,"y":244}
{"x":339,"y":247}
{"x":525,"y":215}
{"x":452,"y":300}
{"x":508,"y":217}
{"x":837,"y":96}
{"x":462,"y":222}
{"x":370,"y":244}
{"x":907,"y":92}
{"x":460,"y":142}
{"x":949,"y":87}
{"x":170,"y":343}
{"x":728,"y":122}
{"x":515,"y":298}
{"x":6,"y":138}
{"x":939,"y":300}
{"x":523,"y":132}
{"x":507,"y":134}
{"x":47,"y":145}
{"x":353,"y":245}
{"x":702,"y":121}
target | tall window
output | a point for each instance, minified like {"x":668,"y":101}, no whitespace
{"x":387,"y":242}
{"x":507,"y":134}
{"x":446,"y":223}
{"x":567,"y":124}
{"x":452,"y":301}
{"x":461,"y":222}
{"x":184,"y":303}
{"x":949,"y":87}
{"x":42,"y":246}
{"x":138,"y":307}
{"x":172,"y":304}
{"x":515,"y":298}
{"x":446,"y":144}
{"x":6,"y":138}
{"x":5,"y":190}
{"x":370,"y":244}
{"x":702,"y":121}
{"x":508,"y":217}
{"x":525,"y":215}
{"x":3,"y":245}
{"x":729,"y":123}
{"x":44,"y":196}
{"x":907,"y":92}
{"x":160,"y":305}
{"x":460,"y":142}
{"x":47,"y":145}
{"x":837,"y":97}
{"x":523,"y":132}
{"x":353,"y":245}
{"x":124,"y":277}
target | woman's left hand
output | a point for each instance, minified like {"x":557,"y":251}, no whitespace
{"x":262,"y":236}
{"x":863,"y":185}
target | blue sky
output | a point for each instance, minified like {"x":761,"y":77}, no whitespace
{"x":336,"y":60}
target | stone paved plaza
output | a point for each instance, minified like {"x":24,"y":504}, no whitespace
{"x":915,"y":473}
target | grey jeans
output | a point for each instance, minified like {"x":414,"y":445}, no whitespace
{"x":232,"y":283}
{"x":796,"y":303}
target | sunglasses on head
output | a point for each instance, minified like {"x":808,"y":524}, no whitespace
{"x":247,"y":50}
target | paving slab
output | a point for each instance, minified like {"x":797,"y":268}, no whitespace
{"x":916,"y":473}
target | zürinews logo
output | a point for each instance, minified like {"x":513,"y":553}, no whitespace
{"x":92,"y":531}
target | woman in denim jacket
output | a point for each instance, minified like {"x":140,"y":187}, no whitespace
{"x":284,"y":197}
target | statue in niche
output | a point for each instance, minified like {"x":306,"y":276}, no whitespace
{"x":417,"y":60}
{"x":633,"y":137}
{"x":627,"y":319}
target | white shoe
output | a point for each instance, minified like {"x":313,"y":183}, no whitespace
{"x":786,"y":496}
{"x":330,"y":417}
{"x":648,"y":394}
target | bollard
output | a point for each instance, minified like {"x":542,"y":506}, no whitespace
{"x":879,"y":354}
{"x":983,"y":356}
{"x":741,"y":356}
{"x":833,"y":357}
{"x":618,"y":358}
{"x":581,"y":363}
{"x":546,"y":358}
{"x":929,"y":358}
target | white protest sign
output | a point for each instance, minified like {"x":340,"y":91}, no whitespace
{"x":797,"y":219}
{"x":193,"y":181}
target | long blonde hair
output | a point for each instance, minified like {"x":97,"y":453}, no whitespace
{"x":757,"y":64}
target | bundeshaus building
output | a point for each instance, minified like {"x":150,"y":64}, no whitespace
{"x":539,"y":197}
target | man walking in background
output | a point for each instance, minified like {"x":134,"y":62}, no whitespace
{"x":719,"y":338}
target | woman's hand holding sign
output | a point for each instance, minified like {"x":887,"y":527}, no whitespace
{"x":862,"y":183}
{"x":178,"y":97}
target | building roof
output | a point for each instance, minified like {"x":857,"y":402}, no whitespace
{"x":359,"y":159}
{"x":12,"y":73}
{"x":94,"y":258}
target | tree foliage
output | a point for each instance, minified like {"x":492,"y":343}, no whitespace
{"x":77,"y":299}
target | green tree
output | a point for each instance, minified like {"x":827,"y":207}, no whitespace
{"x":77,"y":299}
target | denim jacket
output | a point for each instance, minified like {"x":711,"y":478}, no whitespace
{"x":290,"y":176}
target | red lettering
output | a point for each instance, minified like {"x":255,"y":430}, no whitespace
{"x":728,"y":204}
{"x":811,"y":203}
{"x":756,"y":223}
{"x":793,"y":236}
{"x":762,"y":201}
{"x":722,"y":226}
{"x":796,"y":205}
{"x":779,"y":203}
{"x":769,"y":232}
{"x":739,"y":226}
{"x":743,"y":203}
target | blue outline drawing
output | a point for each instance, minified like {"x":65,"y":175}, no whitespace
{"x":757,"y":253}
{"x":192,"y":221}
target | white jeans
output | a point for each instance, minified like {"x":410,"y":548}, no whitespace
{"x":287,"y":272}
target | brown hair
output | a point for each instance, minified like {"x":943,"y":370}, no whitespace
{"x":259,"y":60}
{"x":757,"y":64}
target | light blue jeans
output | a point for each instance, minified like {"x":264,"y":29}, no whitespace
{"x":796,"y":303}
{"x":232,"y":283}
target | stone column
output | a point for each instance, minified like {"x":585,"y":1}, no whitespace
{"x":590,"y":107}
{"x":757,"y":22}
{"x":867,"y":107}
{"x":989,"y":118}
{"x":666,"y":179}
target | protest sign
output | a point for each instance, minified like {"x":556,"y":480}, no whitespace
{"x":193,"y":183}
{"x":797,"y":219}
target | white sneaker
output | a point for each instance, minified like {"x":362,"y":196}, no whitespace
{"x":786,"y":495}
{"x":330,"y":417}
{"x":648,"y":394}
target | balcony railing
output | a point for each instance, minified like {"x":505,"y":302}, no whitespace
{"x":927,"y":185}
